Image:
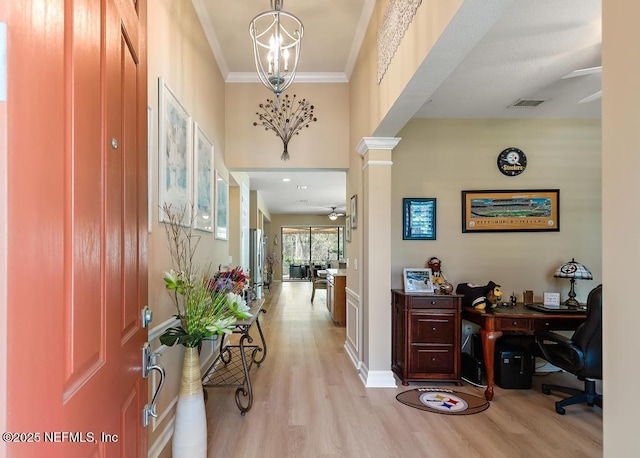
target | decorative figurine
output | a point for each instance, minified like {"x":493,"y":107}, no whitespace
{"x":437,"y":276}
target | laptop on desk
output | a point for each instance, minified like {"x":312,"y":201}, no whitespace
{"x":540,"y":307}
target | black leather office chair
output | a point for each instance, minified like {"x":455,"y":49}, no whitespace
{"x":581,"y":355}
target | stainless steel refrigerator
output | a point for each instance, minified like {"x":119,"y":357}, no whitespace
{"x":255,"y":260}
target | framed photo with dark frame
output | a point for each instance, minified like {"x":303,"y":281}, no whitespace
{"x":417,"y":280}
{"x":526,"y":210}
{"x":418,"y":218}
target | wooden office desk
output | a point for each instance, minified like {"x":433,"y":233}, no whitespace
{"x":494,"y":321}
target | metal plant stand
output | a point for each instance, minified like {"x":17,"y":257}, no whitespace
{"x":233,"y":364}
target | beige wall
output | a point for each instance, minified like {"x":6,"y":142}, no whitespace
{"x":324,"y":144}
{"x":440,"y":158}
{"x":179,"y":53}
{"x":621,"y":219}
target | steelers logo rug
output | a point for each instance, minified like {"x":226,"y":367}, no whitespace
{"x":443,"y":401}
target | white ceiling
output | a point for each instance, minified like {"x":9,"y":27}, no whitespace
{"x":505,"y":50}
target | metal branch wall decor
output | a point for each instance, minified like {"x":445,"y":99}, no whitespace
{"x":286,"y":118}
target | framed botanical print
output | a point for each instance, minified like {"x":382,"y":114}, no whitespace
{"x":203,"y":180}
{"x":175,"y":153}
{"x":222,"y":208}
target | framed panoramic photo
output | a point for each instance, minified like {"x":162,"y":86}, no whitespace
{"x":222,"y":208}
{"x":418,"y":218}
{"x":417,"y":280}
{"x":203,"y":180}
{"x":527,"y":210}
{"x":174,"y":151}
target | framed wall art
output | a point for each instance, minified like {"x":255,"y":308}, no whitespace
{"x":417,"y":280}
{"x":174,"y":151}
{"x":527,"y":210}
{"x":347,"y":228}
{"x":203,"y":180}
{"x":418,"y":218}
{"x":354,"y":211}
{"x":222,"y":208}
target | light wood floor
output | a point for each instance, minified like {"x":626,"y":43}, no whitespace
{"x":309,"y":402}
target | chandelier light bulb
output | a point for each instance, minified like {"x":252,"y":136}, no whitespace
{"x":272,"y":56}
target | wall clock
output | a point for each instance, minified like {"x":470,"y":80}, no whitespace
{"x":512,"y":162}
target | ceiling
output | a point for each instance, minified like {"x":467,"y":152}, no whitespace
{"x":493,"y":55}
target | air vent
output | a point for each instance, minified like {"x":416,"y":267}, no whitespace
{"x":527,"y":103}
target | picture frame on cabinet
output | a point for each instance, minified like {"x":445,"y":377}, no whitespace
{"x":417,"y":280}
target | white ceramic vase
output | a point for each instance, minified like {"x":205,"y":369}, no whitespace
{"x":190,"y":427}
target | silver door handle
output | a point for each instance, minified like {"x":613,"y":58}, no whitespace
{"x":149,"y":364}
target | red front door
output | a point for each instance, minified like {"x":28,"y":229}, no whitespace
{"x":76,"y":227}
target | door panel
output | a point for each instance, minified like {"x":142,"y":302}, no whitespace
{"x":77,"y":225}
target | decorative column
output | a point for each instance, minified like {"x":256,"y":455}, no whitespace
{"x":376,"y":259}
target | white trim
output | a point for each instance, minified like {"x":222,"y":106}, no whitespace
{"x":161,"y":441}
{"x":370,"y":163}
{"x":156,"y":332}
{"x":377,"y":143}
{"x":327,"y":77}
{"x":212,"y":38}
{"x":359,"y":35}
{"x":380,"y":379}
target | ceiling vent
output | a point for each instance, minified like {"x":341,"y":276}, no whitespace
{"x":527,"y":103}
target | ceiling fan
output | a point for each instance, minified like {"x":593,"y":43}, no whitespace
{"x":333,"y":215}
{"x":583,"y":72}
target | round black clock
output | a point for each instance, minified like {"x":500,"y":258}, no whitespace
{"x":512,"y":162}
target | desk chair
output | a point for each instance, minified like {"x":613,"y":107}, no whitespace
{"x":317,"y":282}
{"x":581,"y":355}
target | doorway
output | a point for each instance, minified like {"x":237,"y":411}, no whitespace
{"x":304,"y":246}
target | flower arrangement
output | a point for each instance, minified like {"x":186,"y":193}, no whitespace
{"x":272,"y":260}
{"x":232,"y":280}
{"x":204,"y":310}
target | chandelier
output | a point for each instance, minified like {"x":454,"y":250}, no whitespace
{"x":286,"y":118}
{"x":276,"y":37}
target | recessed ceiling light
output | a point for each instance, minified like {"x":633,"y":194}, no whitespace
{"x":302,"y":186}
{"x":304,"y":201}
{"x":286,"y":179}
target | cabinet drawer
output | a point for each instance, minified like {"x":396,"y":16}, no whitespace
{"x":432,"y":328}
{"x":431,"y":302}
{"x":560,"y":325}
{"x":515,"y":324}
{"x":435,"y":359}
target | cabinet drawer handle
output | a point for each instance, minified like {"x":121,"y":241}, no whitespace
{"x":433,"y":302}
{"x":515,"y":323}
{"x":433,"y":328}
{"x":547,"y":324}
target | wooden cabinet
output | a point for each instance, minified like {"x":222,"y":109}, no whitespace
{"x":425,"y":336}
{"x":336,"y":296}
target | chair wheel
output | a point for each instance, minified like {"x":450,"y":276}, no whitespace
{"x":546,"y":390}
{"x":560,"y":409}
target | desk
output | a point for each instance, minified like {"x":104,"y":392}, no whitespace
{"x":232,"y":366}
{"x":494,"y":321}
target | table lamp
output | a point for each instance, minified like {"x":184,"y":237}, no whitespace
{"x":573,"y":270}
